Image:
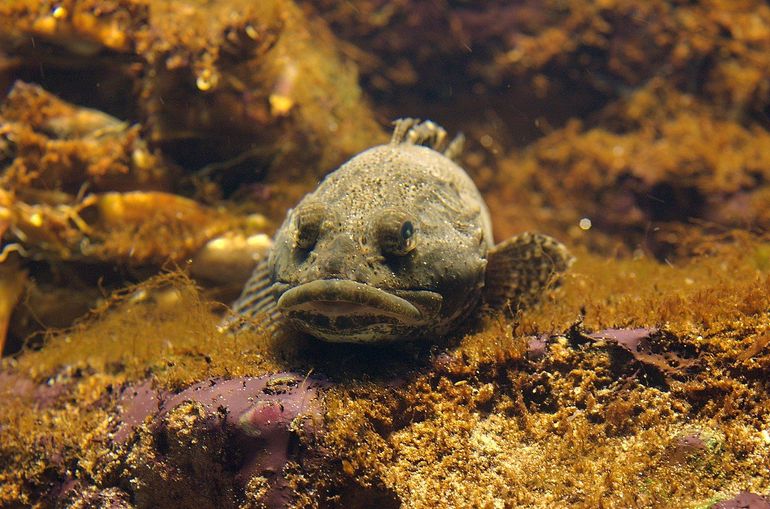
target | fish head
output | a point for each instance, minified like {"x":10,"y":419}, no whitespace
{"x":365,"y":266}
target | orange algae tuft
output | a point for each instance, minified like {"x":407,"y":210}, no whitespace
{"x":646,"y":133}
{"x":143,"y":327}
{"x":659,"y":159}
{"x":202,"y":76}
{"x":477,"y":421}
{"x":583,"y":426}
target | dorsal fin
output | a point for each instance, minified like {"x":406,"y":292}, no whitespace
{"x":401,"y":126}
{"x":427,"y":133}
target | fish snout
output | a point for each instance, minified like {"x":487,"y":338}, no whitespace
{"x":341,"y":258}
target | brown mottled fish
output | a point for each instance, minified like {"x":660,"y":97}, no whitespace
{"x":395,"y":244}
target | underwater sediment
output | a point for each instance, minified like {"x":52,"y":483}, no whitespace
{"x":149,"y":148}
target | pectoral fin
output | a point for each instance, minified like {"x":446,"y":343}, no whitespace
{"x":521,"y":268}
{"x":256,"y":307}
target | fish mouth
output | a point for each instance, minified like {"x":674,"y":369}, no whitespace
{"x":348,"y":311}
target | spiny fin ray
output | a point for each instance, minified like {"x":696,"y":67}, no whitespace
{"x":521,"y":269}
{"x":256,"y":307}
{"x":413,"y":131}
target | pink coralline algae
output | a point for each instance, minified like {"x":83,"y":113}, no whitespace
{"x":644,"y":346}
{"x":226,"y":434}
{"x":745,"y":500}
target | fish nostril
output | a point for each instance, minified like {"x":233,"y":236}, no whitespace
{"x":334,"y":266}
{"x":338,"y":258}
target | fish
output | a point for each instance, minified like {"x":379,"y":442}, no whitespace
{"x":396,"y":244}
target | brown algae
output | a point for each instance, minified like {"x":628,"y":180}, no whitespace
{"x":636,"y":132}
{"x":471,"y":424}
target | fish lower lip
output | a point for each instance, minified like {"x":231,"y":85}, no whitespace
{"x":343,"y":297}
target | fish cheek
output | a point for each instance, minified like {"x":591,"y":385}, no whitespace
{"x":458,"y":275}
{"x":401,"y":265}
{"x":286,"y":259}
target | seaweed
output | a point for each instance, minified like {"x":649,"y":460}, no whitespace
{"x":476,"y":419}
{"x":151,"y":146}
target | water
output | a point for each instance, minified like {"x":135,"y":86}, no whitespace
{"x":148,"y":148}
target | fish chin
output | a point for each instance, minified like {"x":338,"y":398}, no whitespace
{"x":341,"y":310}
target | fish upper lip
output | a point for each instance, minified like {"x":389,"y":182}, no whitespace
{"x":316,"y":295}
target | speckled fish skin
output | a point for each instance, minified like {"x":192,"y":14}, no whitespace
{"x":392,"y":245}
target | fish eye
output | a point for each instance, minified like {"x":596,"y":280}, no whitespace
{"x":407,"y":230}
{"x":395,"y":232}
{"x":309,"y":219}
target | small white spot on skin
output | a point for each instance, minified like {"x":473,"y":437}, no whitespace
{"x":585,"y":224}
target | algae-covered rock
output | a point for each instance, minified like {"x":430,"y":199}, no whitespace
{"x":173,"y":105}
{"x":257,"y":81}
{"x":219,"y":440}
{"x":153,"y":136}
{"x":657,"y":160}
{"x":659,"y":394}
{"x":560,"y":51}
